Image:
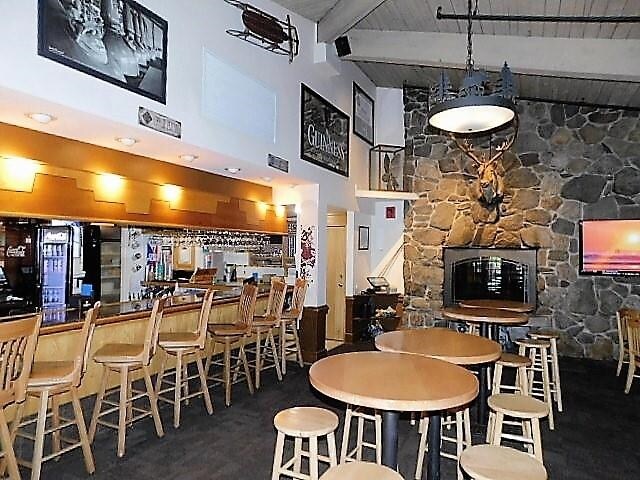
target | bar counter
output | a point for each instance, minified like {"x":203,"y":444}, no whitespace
{"x":126,"y":323}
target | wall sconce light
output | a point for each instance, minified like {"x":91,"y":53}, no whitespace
{"x":18,"y":174}
{"x":109,"y":187}
{"x":171,"y":193}
{"x":280,"y":211}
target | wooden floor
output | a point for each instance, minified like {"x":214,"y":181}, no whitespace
{"x":598,"y":436}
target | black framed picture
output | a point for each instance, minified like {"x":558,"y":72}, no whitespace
{"x":363,"y":114}
{"x":363,"y":238}
{"x":324,"y":132}
{"x":118,"y":41}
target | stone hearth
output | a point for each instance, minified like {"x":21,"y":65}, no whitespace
{"x":569,"y":162}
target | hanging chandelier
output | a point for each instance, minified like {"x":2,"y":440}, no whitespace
{"x":478,"y":106}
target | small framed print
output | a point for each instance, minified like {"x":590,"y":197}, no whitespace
{"x":363,"y":114}
{"x":390,"y":212}
{"x":363,"y":238}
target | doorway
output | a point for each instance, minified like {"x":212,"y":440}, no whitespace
{"x":336,"y":271}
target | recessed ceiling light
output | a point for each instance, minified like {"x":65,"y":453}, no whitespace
{"x":187,"y":157}
{"x":127,"y":141}
{"x":267,"y":179}
{"x":233,"y":169}
{"x":40,"y":117}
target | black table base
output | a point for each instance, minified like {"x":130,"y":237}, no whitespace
{"x":433,"y":454}
{"x":390,"y":439}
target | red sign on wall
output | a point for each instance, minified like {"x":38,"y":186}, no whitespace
{"x":390,"y":212}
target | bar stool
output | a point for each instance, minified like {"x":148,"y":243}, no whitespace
{"x":360,"y":471}
{"x":228,"y":334}
{"x":264,"y":325}
{"x":511,"y":360}
{"x":289,"y":324}
{"x":633,"y":333}
{"x":554,"y":382}
{"x":623,"y":340}
{"x":304,"y":423}
{"x":538,"y":352}
{"x":124,"y":359}
{"x":489,"y":462}
{"x":18,"y":338}
{"x":48,"y":381}
{"x":462,"y":422}
{"x":179,"y":345}
{"x":362,"y":415}
{"x":528,"y":411}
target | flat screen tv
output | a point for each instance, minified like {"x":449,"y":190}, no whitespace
{"x":610,"y":247}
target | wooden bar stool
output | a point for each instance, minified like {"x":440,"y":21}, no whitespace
{"x":538,"y":352}
{"x":623,"y":340}
{"x":633,"y":333}
{"x":461,"y":420}
{"x":554,"y":364}
{"x":360,"y":471}
{"x":180,"y":345}
{"x":304,"y":423}
{"x":528,"y":411}
{"x":510,"y":360}
{"x":48,"y":381}
{"x":289,"y":324}
{"x":263,"y":327}
{"x":18,"y":340}
{"x":362,"y":415}
{"x":489,"y":462}
{"x":229,"y":334}
{"x":125,"y":359}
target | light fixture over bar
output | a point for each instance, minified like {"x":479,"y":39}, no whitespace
{"x":478,"y":106}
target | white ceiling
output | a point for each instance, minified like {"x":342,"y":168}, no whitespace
{"x":591,"y":81}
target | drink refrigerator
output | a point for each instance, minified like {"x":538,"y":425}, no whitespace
{"x":54,"y":255}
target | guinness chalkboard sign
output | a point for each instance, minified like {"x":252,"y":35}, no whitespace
{"x":324,"y":133}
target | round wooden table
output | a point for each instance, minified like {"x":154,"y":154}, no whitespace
{"x":509,"y":305}
{"x":441,"y":343}
{"x":394,"y":383}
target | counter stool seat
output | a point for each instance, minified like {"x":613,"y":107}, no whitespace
{"x":540,"y":352}
{"x":544,"y":334}
{"x":263,"y":323}
{"x":177,"y":339}
{"x":360,"y":471}
{"x":304,"y":423}
{"x":490,"y":462}
{"x":554,"y":383}
{"x":227,"y":330}
{"x":513,"y":360}
{"x":115,"y":353}
{"x":533,"y":342}
{"x":49,"y":374}
{"x":521,"y":405}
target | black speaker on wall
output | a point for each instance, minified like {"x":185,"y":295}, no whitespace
{"x":342,"y":46}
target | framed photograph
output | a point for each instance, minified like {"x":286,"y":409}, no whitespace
{"x":118,"y":41}
{"x":184,"y":257}
{"x":363,"y":238}
{"x":324,"y":133}
{"x":363,"y":114}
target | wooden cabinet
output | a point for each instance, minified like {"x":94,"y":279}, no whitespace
{"x":362,"y":308}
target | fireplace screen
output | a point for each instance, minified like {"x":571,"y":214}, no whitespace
{"x":489,"y":274}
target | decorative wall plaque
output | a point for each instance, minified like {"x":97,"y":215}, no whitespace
{"x":278,"y":163}
{"x":324,"y":133}
{"x":159,"y":123}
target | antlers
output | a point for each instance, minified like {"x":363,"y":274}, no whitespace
{"x":467,"y":147}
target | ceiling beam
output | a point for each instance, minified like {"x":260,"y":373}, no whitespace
{"x":343,"y":16}
{"x":591,"y":58}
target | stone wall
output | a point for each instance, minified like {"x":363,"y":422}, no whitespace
{"x":568,"y":163}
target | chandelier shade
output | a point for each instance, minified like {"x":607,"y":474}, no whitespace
{"x":479,"y":106}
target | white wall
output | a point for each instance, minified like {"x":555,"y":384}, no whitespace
{"x":389,"y":116}
{"x":95,"y":111}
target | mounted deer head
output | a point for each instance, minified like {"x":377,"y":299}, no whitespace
{"x":490,"y":185}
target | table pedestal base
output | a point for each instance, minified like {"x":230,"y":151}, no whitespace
{"x":390,"y":439}
{"x":433,"y":454}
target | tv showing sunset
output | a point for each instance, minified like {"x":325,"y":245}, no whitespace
{"x":611,"y":246}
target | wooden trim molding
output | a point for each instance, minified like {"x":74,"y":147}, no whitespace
{"x":79,"y":181}
{"x":313,"y":332}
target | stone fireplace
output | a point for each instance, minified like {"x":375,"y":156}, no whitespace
{"x":569,"y":163}
{"x":491,"y":273}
